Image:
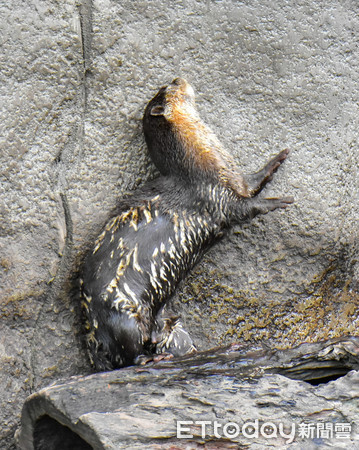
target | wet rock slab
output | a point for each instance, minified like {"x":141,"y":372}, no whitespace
{"x":313,"y":389}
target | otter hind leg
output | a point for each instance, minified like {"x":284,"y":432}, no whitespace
{"x":173,"y":338}
{"x":169,"y":339}
{"x":258,"y":180}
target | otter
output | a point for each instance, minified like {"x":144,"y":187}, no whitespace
{"x":161,"y":230}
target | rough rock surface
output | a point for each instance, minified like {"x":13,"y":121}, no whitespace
{"x":75,"y":77}
{"x":233,"y":389}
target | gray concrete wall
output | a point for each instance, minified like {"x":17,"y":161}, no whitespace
{"x":75,"y":78}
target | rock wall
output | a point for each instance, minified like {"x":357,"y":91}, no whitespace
{"x":75,"y":77}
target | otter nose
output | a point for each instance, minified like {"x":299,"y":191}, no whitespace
{"x":182,"y":85}
{"x":179,"y":81}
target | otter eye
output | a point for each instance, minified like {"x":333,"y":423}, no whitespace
{"x":157,"y":110}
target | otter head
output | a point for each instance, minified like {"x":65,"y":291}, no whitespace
{"x":181,"y":145}
{"x":177,"y":95}
{"x":170,"y":108}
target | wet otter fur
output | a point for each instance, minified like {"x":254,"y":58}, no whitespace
{"x":161,"y":231}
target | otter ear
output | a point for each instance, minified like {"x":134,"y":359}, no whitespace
{"x":157,"y":110}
